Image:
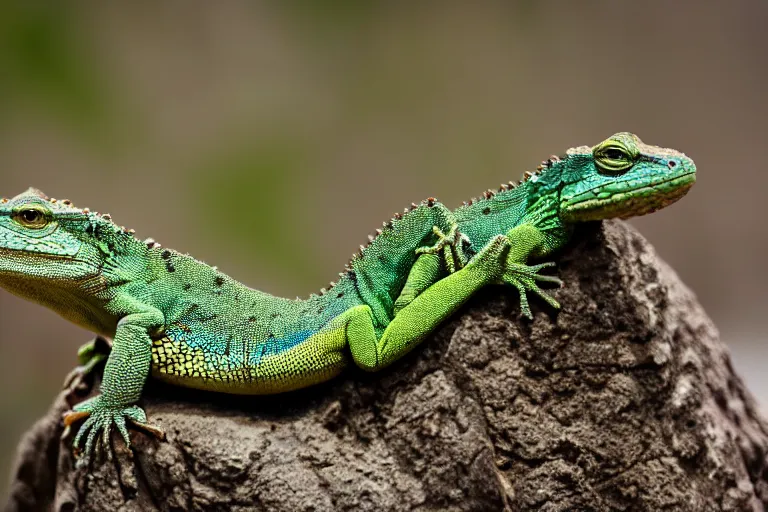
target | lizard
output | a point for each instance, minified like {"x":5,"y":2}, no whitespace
{"x":189,"y":324}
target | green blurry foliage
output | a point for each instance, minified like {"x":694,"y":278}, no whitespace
{"x":44,"y":68}
{"x":251,"y":188}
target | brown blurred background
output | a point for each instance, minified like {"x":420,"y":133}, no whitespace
{"x":271,"y":137}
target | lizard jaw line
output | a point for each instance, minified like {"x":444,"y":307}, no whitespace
{"x":631,"y":202}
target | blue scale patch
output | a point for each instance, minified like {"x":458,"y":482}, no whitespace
{"x":216,"y":343}
{"x":275,"y":346}
{"x":199,"y":338}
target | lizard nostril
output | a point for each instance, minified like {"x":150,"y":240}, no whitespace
{"x":671,"y":164}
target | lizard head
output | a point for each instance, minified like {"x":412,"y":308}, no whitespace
{"x":622,"y":177}
{"x":42,"y":238}
{"x":58,"y":255}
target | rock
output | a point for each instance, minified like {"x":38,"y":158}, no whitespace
{"x":624,"y":400}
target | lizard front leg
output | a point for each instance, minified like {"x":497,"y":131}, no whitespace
{"x":525,"y":241}
{"x":124,"y":375}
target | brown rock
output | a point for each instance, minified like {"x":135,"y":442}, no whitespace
{"x":624,"y":400}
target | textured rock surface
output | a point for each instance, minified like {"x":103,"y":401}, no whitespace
{"x":625,"y":400}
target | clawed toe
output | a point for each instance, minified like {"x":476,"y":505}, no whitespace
{"x":150,"y":429}
{"x":525,"y":278}
{"x":451,"y":245}
{"x":99,"y":418}
{"x":71,"y":417}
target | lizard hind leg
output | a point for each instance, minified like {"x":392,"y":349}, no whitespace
{"x":446,"y":256}
{"x":427,"y":270}
{"x":424,"y":313}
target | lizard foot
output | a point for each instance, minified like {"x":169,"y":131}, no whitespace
{"x":89,"y":356}
{"x":451,"y":245}
{"x":101,"y":417}
{"x":524,"y":277}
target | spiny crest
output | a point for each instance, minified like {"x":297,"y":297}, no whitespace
{"x":540,"y":169}
{"x":388,"y":225}
{"x":103,"y":216}
{"x":151,"y":244}
{"x":66,"y":206}
{"x":527,"y":176}
{"x":385,"y":226}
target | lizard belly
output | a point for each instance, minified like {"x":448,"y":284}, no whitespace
{"x":254,"y":371}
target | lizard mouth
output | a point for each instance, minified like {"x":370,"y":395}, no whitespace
{"x":623,"y":199}
{"x":19,"y":262}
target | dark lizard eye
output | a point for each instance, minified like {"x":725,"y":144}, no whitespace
{"x":614,"y":154}
{"x":31,"y":218}
{"x":612,"y":158}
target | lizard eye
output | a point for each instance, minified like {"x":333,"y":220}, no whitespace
{"x":612,"y":158}
{"x":31,"y":218}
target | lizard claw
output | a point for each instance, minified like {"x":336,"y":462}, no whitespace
{"x":451,"y":245}
{"x":100,"y":418}
{"x":524,"y":278}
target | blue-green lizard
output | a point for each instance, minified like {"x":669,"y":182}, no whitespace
{"x":189,"y":324}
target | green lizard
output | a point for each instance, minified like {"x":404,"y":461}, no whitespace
{"x":189,"y":324}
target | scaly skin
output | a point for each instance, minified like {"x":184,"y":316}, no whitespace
{"x":191,"y":325}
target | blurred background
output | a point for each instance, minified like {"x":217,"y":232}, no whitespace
{"x":271,"y":137}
